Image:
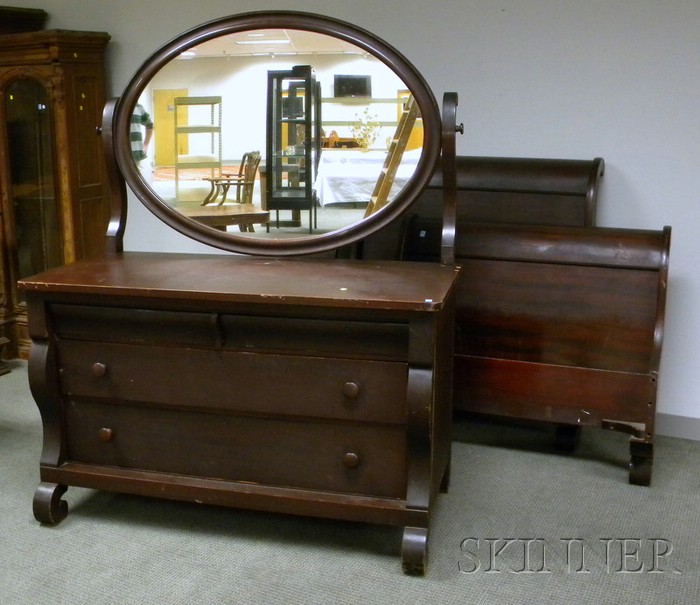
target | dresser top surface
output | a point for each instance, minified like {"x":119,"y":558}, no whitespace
{"x":287,"y":281}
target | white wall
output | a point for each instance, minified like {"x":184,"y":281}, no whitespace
{"x":538,"y":78}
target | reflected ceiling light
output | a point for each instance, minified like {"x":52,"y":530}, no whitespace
{"x":263,"y":41}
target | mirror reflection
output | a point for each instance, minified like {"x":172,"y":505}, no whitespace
{"x":276,"y":133}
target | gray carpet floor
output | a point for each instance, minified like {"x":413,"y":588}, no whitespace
{"x":521,"y":523}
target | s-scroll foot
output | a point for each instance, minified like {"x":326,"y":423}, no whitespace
{"x":47,"y":505}
{"x":414,"y":550}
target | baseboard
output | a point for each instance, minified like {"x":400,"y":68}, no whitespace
{"x":678,"y":426}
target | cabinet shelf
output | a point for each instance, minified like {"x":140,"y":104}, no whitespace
{"x":361,"y":100}
{"x":197,"y":129}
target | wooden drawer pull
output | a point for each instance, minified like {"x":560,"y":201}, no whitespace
{"x":351,"y":390}
{"x":106,"y":435}
{"x":351,"y":460}
{"x":99,"y":369}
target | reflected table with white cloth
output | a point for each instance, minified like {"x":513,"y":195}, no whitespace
{"x":350,"y":175}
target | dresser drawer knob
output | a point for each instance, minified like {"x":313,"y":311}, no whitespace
{"x":351,"y":460}
{"x":351,"y":390}
{"x":99,"y":369}
{"x":106,"y":435}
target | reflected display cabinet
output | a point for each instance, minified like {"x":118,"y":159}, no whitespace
{"x":53,"y":203}
{"x":293,"y":141}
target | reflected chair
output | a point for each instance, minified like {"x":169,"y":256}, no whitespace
{"x":244,"y":181}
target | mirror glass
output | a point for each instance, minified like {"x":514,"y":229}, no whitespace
{"x":305,"y":130}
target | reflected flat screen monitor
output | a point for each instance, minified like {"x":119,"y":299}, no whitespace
{"x":352,"y":86}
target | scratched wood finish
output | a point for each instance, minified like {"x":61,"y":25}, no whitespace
{"x":312,"y":387}
{"x":559,"y":324}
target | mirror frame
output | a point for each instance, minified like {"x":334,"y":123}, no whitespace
{"x":308,"y":244}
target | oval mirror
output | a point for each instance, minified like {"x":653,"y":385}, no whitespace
{"x":277,"y":133}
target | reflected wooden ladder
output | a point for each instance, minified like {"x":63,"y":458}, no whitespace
{"x":380,"y":195}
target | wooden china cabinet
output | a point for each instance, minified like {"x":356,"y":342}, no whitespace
{"x":280,"y":378}
{"x":54,"y":206}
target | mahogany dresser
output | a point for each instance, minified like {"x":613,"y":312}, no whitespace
{"x":313,"y":387}
{"x":283,"y":378}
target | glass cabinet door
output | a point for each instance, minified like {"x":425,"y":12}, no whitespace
{"x":292,"y":142}
{"x":35,"y":235}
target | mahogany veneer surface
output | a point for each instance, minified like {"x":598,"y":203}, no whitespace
{"x":314,"y":387}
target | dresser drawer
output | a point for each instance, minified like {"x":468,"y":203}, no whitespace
{"x":297,"y":335}
{"x":300,"y":335}
{"x":339,"y":457}
{"x":136,"y":326}
{"x":254,"y":383}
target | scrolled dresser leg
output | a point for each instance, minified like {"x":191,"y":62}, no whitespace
{"x":47,"y":505}
{"x":414,"y":550}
